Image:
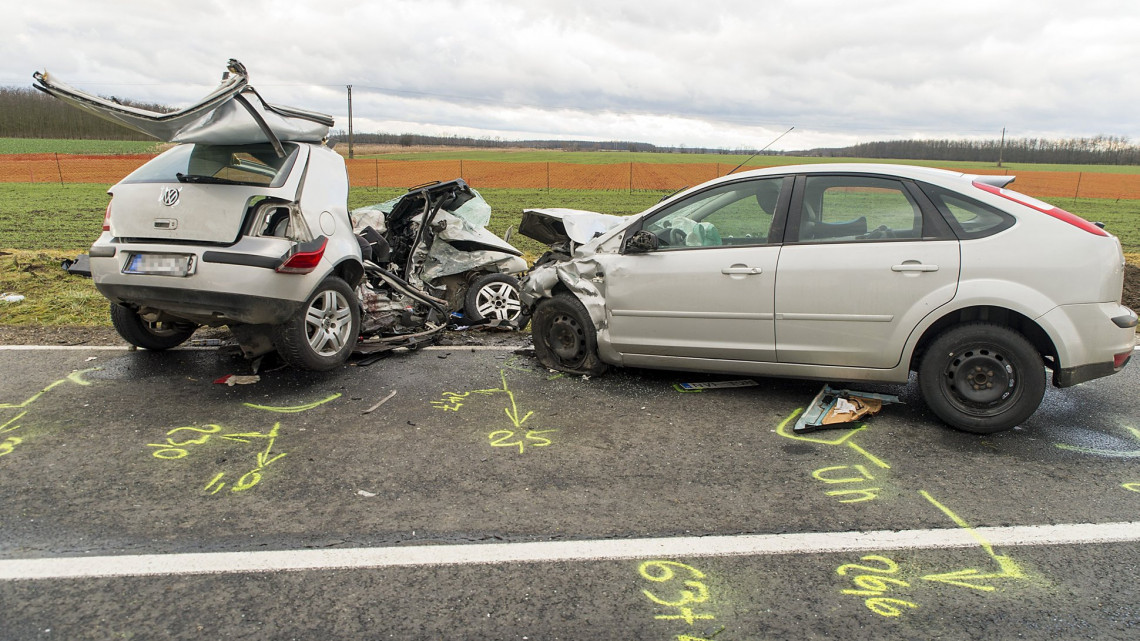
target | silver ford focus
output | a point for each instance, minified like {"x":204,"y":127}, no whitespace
{"x":848,"y":272}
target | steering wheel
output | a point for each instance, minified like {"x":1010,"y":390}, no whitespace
{"x":676,"y":237}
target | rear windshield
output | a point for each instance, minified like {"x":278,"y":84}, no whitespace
{"x":218,"y":164}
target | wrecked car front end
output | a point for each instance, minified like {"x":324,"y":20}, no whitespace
{"x":575,"y":237}
{"x":435,"y":237}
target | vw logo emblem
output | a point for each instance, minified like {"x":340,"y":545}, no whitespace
{"x":169,"y":196}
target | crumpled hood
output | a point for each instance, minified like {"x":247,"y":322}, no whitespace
{"x":232,"y":114}
{"x":559,"y":225}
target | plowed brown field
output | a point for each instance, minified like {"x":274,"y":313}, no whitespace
{"x":487,"y":174}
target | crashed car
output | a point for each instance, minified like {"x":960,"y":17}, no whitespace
{"x":840,"y":272}
{"x":436,"y":236}
{"x":245,"y":224}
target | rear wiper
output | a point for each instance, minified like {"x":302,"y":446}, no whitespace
{"x":213,"y":180}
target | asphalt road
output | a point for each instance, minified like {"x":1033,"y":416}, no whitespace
{"x":492,"y":499}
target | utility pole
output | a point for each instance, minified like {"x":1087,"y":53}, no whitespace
{"x":350,"y":155}
{"x":1001,"y":148}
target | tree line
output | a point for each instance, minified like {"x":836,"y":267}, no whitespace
{"x":1098,"y":150}
{"x":27,"y":113}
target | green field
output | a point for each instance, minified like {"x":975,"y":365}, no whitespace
{"x":51,"y":145}
{"x":40,"y":224}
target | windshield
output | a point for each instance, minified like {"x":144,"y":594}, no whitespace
{"x":221,"y":164}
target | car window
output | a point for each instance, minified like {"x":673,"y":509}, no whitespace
{"x":738,"y":213}
{"x":844,"y":209}
{"x":969,"y":218}
{"x":226,"y":164}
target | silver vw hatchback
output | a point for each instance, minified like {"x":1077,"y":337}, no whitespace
{"x":243,"y":223}
{"x":850,"y":272}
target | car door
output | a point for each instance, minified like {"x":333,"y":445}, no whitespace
{"x":865,"y":258}
{"x":708,"y":290}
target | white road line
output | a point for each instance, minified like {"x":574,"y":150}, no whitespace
{"x":545,"y":552}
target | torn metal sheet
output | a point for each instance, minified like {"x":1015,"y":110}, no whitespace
{"x":689,"y":387}
{"x":558,"y":225}
{"x":232,"y":114}
{"x":832,"y":408}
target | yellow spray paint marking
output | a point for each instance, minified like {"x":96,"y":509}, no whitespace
{"x":825,"y":474}
{"x":968,"y":578}
{"x":8,"y":445}
{"x":689,"y":590}
{"x":176,"y":449}
{"x":74,"y":377}
{"x":293,"y":409}
{"x":1113,"y":453}
{"x":1131,"y":487}
{"x":872,"y":585}
{"x":453,"y":401}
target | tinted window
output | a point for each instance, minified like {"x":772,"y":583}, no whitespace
{"x":737,"y":213}
{"x":240,"y":164}
{"x":969,"y":218}
{"x":839,"y":209}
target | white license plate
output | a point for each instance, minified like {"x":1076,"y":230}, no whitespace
{"x":160,"y":264}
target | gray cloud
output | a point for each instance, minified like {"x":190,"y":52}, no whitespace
{"x":715,"y":73}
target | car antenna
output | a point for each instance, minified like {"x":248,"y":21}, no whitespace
{"x":765,"y":147}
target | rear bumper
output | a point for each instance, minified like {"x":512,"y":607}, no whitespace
{"x":202,"y":307}
{"x":1092,"y":340}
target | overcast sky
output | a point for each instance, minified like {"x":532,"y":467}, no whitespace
{"x":708,"y":73}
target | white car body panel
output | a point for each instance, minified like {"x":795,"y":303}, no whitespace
{"x":1064,"y":280}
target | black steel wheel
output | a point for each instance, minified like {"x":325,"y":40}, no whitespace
{"x":982,"y":378}
{"x":153,"y":336}
{"x":564,"y":336}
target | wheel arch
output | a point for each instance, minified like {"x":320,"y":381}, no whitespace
{"x":994,"y":314}
{"x":350,"y":271}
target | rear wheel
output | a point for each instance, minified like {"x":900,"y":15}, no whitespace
{"x":153,"y":336}
{"x":324,"y":334}
{"x":564,"y":336}
{"x":982,"y":378}
{"x":495,"y":297}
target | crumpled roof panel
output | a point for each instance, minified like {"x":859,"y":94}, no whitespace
{"x":234,"y":113}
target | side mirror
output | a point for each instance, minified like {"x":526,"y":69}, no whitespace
{"x":641,"y":242}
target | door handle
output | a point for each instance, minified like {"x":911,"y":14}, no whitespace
{"x":914,"y":267}
{"x":742,"y":270}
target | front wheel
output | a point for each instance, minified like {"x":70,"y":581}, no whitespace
{"x":982,"y":378}
{"x":495,"y":297}
{"x":324,"y":334}
{"x":564,"y":336}
{"x":153,"y":336}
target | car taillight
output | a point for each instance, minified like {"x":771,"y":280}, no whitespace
{"x":107,"y":218}
{"x":1121,"y":359}
{"x":1043,"y":207}
{"x":304,"y":258}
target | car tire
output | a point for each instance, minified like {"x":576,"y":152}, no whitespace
{"x":322,"y":336}
{"x":982,"y":378}
{"x":495,"y":297}
{"x":564,"y":336}
{"x":152,"y":336}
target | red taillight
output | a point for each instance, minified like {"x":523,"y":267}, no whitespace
{"x":305,"y":259}
{"x":1121,"y":359}
{"x":1043,"y":207}
{"x":107,"y":218}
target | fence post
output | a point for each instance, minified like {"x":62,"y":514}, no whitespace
{"x":1078,"y":190}
{"x":548,"y":176}
{"x":376,"y":170}
{"x":631,"y":177}
{"x":461,"y":168}
{"x":58,"y":169}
